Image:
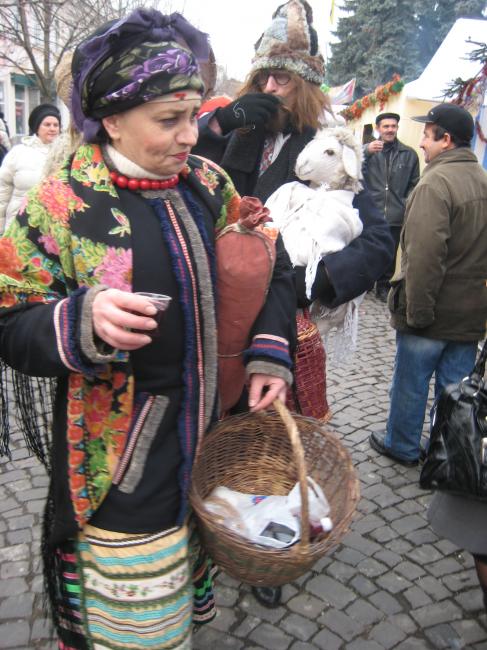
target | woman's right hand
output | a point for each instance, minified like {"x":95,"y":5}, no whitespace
{"x":117,"y":312}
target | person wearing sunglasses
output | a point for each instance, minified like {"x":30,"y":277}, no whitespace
{"x":257,"y":139}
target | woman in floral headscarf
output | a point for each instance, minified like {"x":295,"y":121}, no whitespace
{"x":130,"y":211}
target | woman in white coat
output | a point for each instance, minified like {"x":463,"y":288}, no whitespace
{"x":5,"y":143}
{"x":23,"y":166}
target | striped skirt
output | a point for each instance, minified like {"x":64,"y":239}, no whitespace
{"x":129,"y":592}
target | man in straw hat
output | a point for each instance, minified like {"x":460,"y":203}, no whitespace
{"x":258,"y":137}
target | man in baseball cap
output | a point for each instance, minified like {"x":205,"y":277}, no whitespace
{"x":438,"y":300}
{"x":454,"y":119}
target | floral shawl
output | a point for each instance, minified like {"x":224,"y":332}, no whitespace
{"x":72,"y":235}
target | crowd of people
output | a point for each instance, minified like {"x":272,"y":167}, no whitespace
{"x":136,"y":209}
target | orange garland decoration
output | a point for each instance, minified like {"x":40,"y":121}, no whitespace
{"x":381,"y":96}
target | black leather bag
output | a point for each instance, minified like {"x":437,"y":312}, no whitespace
{"x":456,"y":461}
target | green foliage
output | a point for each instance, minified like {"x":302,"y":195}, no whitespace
{"x":378,"y":38}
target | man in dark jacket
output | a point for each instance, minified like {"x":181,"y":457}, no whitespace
{"x":391,"y":170}
{"x":280,"y":108}
{"x":439,"y":299}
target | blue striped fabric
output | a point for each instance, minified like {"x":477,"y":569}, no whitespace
{"x":136,"y":589}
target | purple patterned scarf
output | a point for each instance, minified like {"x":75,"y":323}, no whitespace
{"x":133,"y":60}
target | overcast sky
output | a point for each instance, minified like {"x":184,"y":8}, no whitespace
{"x":235,"y":25}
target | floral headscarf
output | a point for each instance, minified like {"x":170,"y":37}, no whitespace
{"x":128,"y":62}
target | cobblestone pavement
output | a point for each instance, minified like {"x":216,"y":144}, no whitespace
{"x":391,"y":583}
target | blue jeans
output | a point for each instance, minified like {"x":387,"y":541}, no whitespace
{"x":417,"y":358}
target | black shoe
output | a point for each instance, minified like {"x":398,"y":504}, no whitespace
{"x":376,"y":440}
{"x":382,"y":292}
{"x":267,"y":596}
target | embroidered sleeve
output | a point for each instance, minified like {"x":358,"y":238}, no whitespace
{"x":269,"y":355}
{"x":267,"y":368}
{"x":74,"y":333}
{"x":273,"y":347}
{"x":93,"y":348}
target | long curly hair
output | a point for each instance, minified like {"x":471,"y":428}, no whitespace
{"x":308,"y":103}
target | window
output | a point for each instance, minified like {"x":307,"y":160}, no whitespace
{"x":2,"y":97}
{"x":33,"y":97}
{"x":368,"y":134}
{"x":20,"y":118}
{"x":37,"y":34}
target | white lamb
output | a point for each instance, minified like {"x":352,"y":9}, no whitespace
{"x":320,"y":219}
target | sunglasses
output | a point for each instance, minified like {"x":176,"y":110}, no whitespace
{"x":281,"y":78}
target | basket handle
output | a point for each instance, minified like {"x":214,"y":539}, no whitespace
{"x":298,"y":451}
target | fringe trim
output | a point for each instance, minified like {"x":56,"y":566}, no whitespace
{"x":338,"y":328}
{"x":29,"y":401}
{"x":50,"y":565}
{"x":205,"y":279}
{"x":188,"y":414}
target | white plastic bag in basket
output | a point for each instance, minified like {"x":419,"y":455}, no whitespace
{"x":269,"y":520}
{"x":318,"y":506}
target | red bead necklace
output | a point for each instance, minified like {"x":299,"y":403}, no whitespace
{"x":143,"y":184}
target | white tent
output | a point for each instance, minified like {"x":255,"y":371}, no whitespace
{"x":451,"y":61}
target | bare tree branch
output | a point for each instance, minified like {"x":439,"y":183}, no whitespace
{"x":34,"y":34}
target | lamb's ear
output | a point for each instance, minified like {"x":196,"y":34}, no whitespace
{"x":350,"y":162}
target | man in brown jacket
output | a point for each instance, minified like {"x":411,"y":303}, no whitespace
{"x":438,"y":301}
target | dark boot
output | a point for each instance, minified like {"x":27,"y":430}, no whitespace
{"x":267,"y":596}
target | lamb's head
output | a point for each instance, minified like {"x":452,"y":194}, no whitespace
{"x":333,"y":158}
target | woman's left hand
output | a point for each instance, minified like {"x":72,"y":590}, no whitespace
{"x":259,"y":398}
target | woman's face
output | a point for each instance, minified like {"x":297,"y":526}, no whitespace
{"x":48,"y":129}
{"x":157,"y":135}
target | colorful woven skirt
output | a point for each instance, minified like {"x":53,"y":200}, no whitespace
{"x":128,"y":592}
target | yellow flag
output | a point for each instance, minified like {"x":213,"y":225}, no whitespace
{"x":332,"y":12}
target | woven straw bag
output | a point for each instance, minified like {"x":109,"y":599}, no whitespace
{"x":308,"y":395}
{"x":267,"y":453}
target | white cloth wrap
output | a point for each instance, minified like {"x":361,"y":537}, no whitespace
{"x":314,"y":223}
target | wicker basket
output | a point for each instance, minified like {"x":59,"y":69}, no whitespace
{"x":263,"y":453}
{"x":308,"y":395}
